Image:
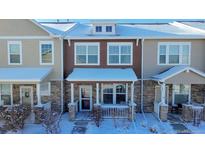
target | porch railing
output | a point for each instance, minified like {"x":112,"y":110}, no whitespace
{"x":115,"y":111}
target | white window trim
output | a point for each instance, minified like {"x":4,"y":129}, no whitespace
{"x":11,"y":90}
{"x":49,"y":89}
{"x":114,"y":85}
{"x":8,"y":52}
{"x":53,"y":52}
{"x":87,"y":44}
{"x":167,"y":52}
{"x":119,"y":44}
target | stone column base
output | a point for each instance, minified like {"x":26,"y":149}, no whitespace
{"x":203,"y":115}
{"x":97,"y":112}
{"x":132,"y":112}
{"x":163,"y":112}
{"x":187,"y":112}
{"x":72,"y":111}
{"x":38,"y":110}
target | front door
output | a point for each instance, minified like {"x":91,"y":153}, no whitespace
{"x":26,"y":95}
{"x":26,"y":98}
{"x":85,"y":98}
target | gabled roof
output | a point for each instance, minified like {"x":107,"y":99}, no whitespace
{"x":24,"y":74}
{"x":83,"y":31}
{"x":58,"y":28}
{"x":162,"y":77}
{"x":102,"y":74}
{"x":39,"y":25}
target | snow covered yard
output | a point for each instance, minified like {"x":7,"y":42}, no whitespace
{"x":147,"y":124}
{"x":196,"y":130}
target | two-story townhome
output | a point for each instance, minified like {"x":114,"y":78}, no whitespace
{"x":31,"y":64}
{"x":102,"y":65}
{"x":173,"y":68}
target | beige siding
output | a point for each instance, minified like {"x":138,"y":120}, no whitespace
{"x":31,"y":56}
{"x":186,"y":78}
{"x":150,"y":56}
{"x":20,"y":27}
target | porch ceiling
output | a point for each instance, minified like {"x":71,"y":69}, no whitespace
{"x":102,"y":74}
{"x":181,"y":74}
{"x":24,"y":74}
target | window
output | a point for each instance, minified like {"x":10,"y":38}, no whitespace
{"x":119,"y":54}
{"x":45,"y":89}
{"x":87,"y":53}
{"x":46,"y":53}
{"x":114,"y":94}
{"x":98,"y":28}
{"x":14,"y":52}
{"x":108,"y":28}
{"x":5,"y":94}
{"x":174,"y":53}
{"x":181,"y":93}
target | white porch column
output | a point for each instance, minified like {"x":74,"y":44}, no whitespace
{"x":38,"y":93}
{"x":72,"y":92}
{"x":132,"y":92}
{"x":97,"y":93}
{"x":163,"y":93}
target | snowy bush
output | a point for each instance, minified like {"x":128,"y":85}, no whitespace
{"x":50,"y":121}
{"x":14,"y":117}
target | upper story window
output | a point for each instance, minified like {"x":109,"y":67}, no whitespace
{"x":108,"y":28}
{"x":174,"y":53}
{"x":14,"y":52}
{"x":86,"y":53}
{"x":46,"y":53}
{"x":98,"y":28}
{"x":119,"y":53}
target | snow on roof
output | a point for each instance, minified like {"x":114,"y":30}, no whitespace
{"x":174,"y":71}
{"x":136,"y":31}
{"x":24,"y":74}
{"x":195,"y":24}
{"x":102,"y":74}
{"x":57,"y":28}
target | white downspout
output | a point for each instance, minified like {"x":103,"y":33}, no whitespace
{"x":62,"y":76}
{"x":142,"y":76}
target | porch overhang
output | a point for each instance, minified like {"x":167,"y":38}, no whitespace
{"x":181,"y":74}
{"x":24,"y":74}
{"x":102,"y":74}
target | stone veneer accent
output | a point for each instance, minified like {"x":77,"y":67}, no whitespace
{"x":55,"y":96}
{"x":198,"y":93}
{"x":163,"y":112}
{"x":149,"y":95}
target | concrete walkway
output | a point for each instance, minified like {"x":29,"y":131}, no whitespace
{"x":178,"y":124}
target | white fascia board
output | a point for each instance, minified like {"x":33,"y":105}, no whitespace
{"x":111,"y":37}
{"x":24,"y":37}
{"x":112,"y":80}
{"x":183,"y":70}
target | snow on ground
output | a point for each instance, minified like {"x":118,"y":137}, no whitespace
{"x":143,"y":125}
{"x":123,"y":126}
{"x":196,"y":130}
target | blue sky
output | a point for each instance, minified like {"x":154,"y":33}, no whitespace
{"x":120,"y":20}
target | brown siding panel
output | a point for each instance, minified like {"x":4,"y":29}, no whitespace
{"x":69,"y":56}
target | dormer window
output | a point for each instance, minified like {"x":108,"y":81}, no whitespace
{"x":98,"y":28}
{"x":108,"y":28}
